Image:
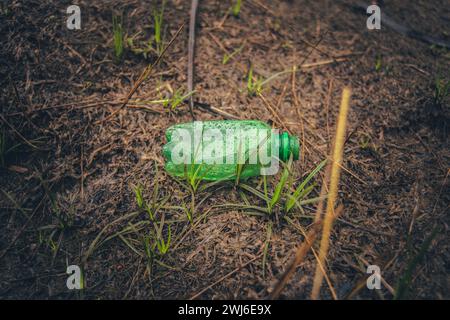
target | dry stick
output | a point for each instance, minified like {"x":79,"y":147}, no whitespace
{"x":274,"y":113}
{"x":191,"y":51}
{"x":143,"y":76}
{"x":334,"y":183}
{"x":218,"y":111}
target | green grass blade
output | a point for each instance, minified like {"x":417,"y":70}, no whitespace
{"x":281,"y":184}
{"x":255,"y":192}
{"x":298,"y":193}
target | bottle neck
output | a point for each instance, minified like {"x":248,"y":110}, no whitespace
{"x":288,"y":145}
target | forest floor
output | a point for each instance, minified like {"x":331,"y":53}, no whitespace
{"x":71,"y":159}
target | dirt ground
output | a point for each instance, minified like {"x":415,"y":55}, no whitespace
{"x":68,"y":169}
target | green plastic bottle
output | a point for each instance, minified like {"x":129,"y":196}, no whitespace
{"x":221,"y":150}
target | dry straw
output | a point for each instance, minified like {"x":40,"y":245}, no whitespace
{"x":333,"y":190}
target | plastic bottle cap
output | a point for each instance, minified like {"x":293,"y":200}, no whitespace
{"x":288,"y":145}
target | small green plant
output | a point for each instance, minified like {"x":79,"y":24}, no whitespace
{"x":155,"y":204}
{"x":153,"y":45}
{"x":158,"y":16}
{"x":62,"y":220}
{"x":378,"y":63}
{"x":195,"y":175}
{"x":254,"y":84}
{"x":163,"y":245}
{"x":228,"y":56}
{"x":302,"y":191}
{"x":145,"y":237}
{"x":142,"y":204}
{"x":4,"y":10}
{"x":52,"y":245}
{"x":236,"y":8}
{"x":149,"y":248}
{"x":177,"y":98}
{"x":281,"y":194}
{"x":188,"y":212}
{"x":143,"y":48}
{"x":364,"y":141}
{"x":441,"y":91}
{"x":174,"y":100}
{"x":118,"y":37}
{"x":270,"y":199}
{"x":279,"y":187}
{"x":138,"y":196}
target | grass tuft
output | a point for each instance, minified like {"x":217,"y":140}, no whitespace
{"x":118,"y":37}
{"x":228,"y":56}
{"x":254,"y":83}
{"x":302,"y":191}
{"x":236,"y":8}
{"x":158,"y":18}
{"x":441,"y":91}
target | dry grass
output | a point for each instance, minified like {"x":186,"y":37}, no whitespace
{"x":336,"y":162}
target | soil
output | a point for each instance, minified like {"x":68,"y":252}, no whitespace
{"x":72,"y":157}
